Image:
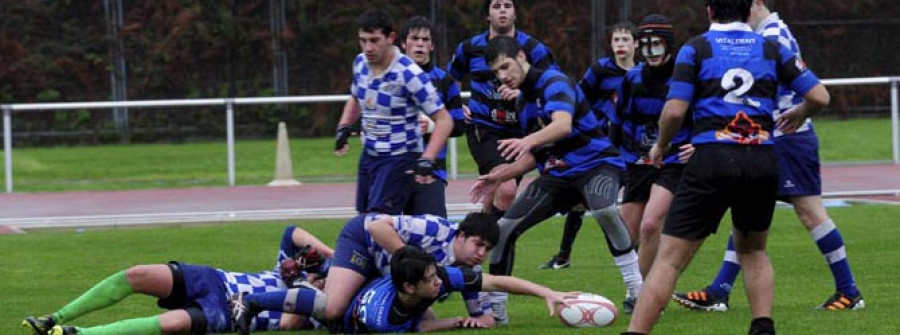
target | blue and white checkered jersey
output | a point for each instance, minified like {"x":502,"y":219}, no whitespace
{"x":433,"y":234}
{"x":772,"y":27}
{"x":390,"y":105}
{"x":237,"y":283}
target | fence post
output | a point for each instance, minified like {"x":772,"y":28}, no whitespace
{"x":895,"y":118}
{"x":454,"y":170}
{"x":229,"y":121}
{"x":7,"y":147}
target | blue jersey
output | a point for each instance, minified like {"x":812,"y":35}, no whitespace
{"x":642,"y":96}
{"x":376,"y":308}
{"x":772,"y":27}
{"x":586,"y":147}
{"x":390,"y":105}
{"x":731,"y":76}
{"x":487,"y":106}
{"x":600,"y":84}
{"x":448,"y":90}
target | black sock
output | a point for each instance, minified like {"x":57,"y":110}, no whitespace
{"x":762,"y":326}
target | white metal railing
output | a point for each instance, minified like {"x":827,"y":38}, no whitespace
{"x":229,"y":104}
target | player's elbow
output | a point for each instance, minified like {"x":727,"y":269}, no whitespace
{"x":818,"y":97}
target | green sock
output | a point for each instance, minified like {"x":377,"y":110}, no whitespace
{"x":105,"y":293}
{"x":142,"y":326}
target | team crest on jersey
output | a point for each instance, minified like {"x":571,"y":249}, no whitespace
{"x":391,"y":87}
{"x":358,"y":260}
{"x":743,"y":130}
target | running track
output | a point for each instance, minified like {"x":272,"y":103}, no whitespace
{"x":245,"y":203}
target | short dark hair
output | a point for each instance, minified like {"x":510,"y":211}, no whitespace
{"x":486,"y":8}
{"x":482,"y":225}
{"x":626,"y":26}
{"x":408,"y":265}
{"x":416,"y":23}
{"x":373,"y":20}
{"x":501,"y":45}
{"x":725,"y":11}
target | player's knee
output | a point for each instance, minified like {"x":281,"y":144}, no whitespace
{"x":650,"y":227}
{"x":138,"y":275}
{"x":182,"y":321}
{"x":505,"y":196}
{"x":334,"y":313}
{"x":606,"y":214}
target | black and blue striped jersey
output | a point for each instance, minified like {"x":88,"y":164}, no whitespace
{"x":600,"y":85}
{"x":487,"y":106}
{"x":448,"y":90}
{"x":642,"y":96}
{"x":731,"y":76}
{"x":586,"y":146}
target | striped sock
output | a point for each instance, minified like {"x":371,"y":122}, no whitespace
{"x":724,"y":281}
{"x":831,"y":245}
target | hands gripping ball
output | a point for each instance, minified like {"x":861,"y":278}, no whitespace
{"x":588,"y":310}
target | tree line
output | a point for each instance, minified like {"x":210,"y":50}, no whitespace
{"x":60,"y":50}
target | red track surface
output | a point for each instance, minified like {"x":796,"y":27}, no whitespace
{"x":17,"y":208}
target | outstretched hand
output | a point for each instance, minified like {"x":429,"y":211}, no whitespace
{"x":514,"y":148}
{"x":558,"y":299}
{"x":484,"y":186}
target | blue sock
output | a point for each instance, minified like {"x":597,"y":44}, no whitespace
{"x":831,"y":245}
{"x":721,"y":285}
{"x":296,"y":300}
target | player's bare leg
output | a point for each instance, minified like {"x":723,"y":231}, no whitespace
{"x":673,"y":256}
{"x":340,"y":288}
{"x":759,"y":277}
{"x":631,"y":213}
{"x":651,"y":226}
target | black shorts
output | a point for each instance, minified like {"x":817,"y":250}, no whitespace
{"x":638,"y":180}
{"x":482,"y":141}
{"x":719,"y":177}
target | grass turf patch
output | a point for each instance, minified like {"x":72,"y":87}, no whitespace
{"x":44,"y":270}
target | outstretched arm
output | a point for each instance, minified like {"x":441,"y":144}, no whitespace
{"x":523,"y":287}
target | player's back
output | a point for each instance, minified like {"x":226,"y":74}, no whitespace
{"x":735,"y":77}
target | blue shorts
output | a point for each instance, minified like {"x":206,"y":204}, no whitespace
{"x":199,"y":287}
{"x":798,"y":164}
{"x":352,"y":249}
{"x":383,"y":184}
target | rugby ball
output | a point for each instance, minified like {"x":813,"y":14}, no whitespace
{"x":588,"y":310}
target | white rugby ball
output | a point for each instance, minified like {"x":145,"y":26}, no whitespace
{"x":588,"y":310}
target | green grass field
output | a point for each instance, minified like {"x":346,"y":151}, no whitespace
{"x":45,"y":269}
{"x":204,"y":164}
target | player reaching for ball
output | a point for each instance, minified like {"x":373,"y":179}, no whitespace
{"x":363,"y":253}
{"x":399,"y":302}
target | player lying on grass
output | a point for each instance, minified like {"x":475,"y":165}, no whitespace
{"x":365,"y":245}
{"x":196,"y":296}
{"x":399,"y":302}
